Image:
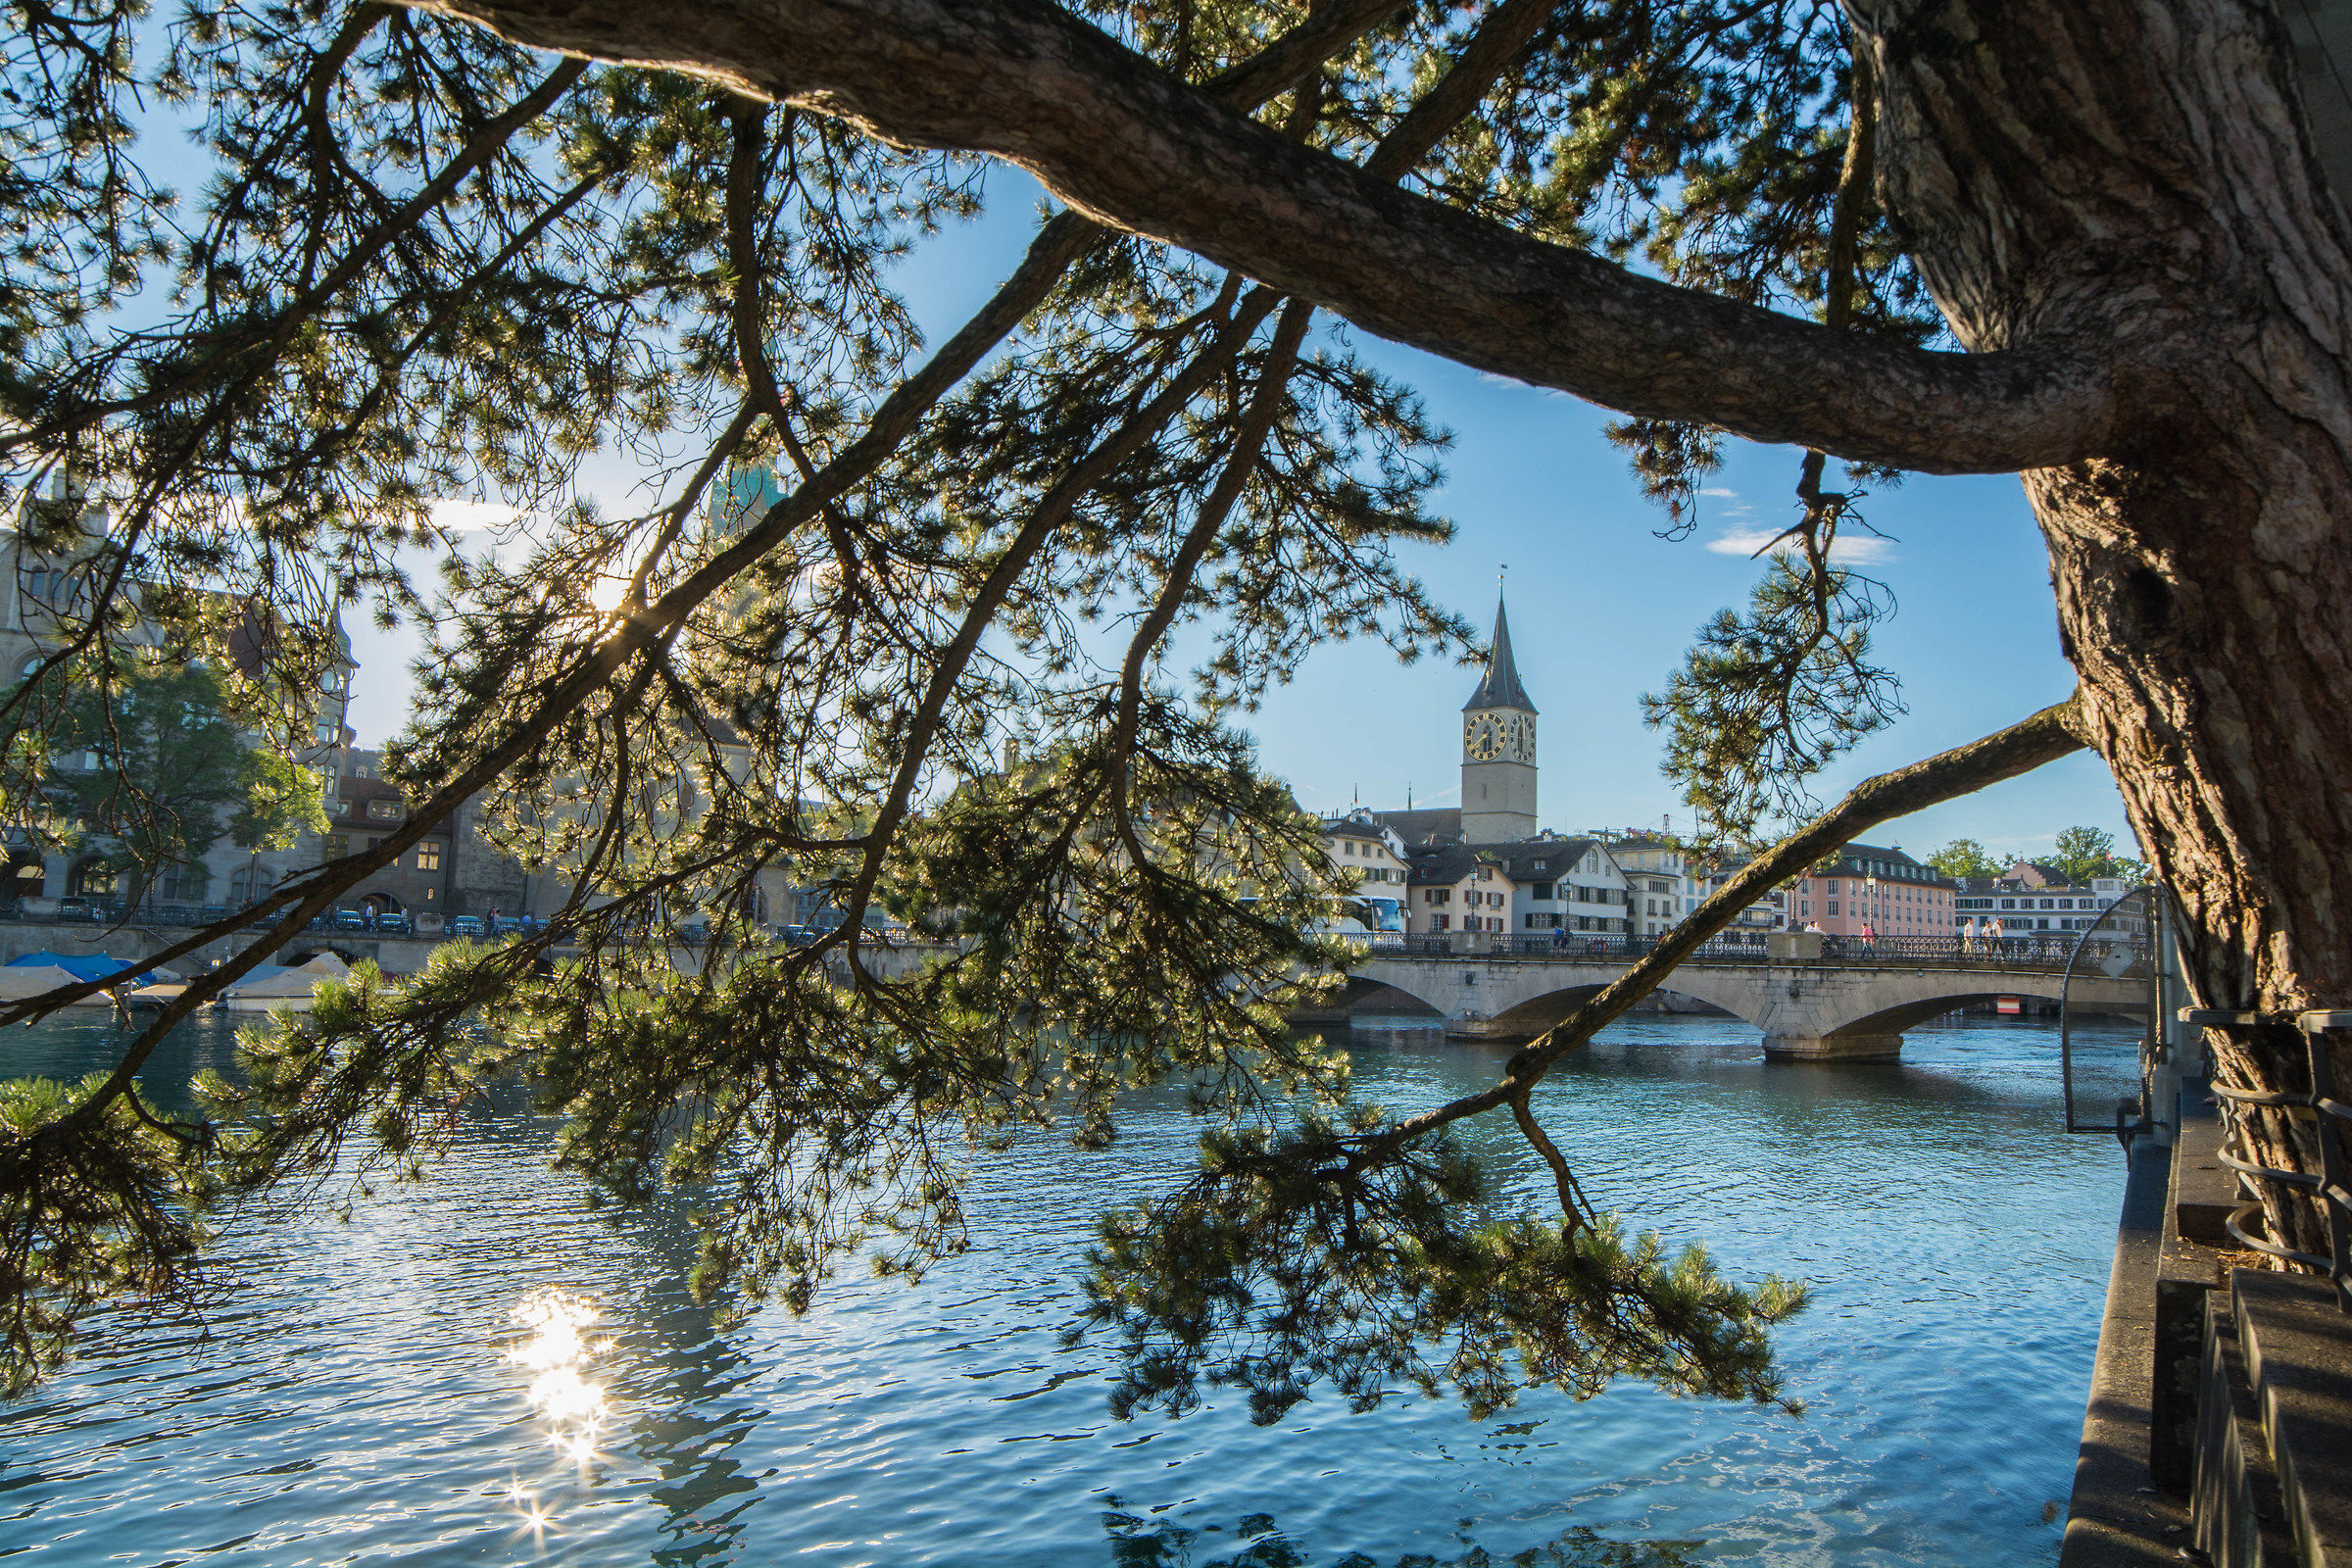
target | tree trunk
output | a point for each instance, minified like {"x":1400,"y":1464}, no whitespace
{"x":2115,"y":165}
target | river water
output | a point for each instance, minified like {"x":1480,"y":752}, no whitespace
{"x":361,"y":1400}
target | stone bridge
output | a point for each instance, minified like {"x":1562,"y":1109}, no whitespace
{"x":1830,"y":1010}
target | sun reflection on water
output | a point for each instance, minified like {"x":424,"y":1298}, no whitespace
{"x":557,"y":1348}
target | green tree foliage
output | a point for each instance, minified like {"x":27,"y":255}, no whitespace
{"x":1769,"y":697}
{"x":149,"y":768}
{"x":429,"y":264}
{"x":2083,"y":852}
{"x":1965,"y":857}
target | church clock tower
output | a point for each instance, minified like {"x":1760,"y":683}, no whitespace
{"x":1498,"y":751}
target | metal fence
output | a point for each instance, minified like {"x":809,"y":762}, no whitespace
{"x":2122,"y":957}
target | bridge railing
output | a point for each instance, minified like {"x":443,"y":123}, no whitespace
{"x":2041,"y":950}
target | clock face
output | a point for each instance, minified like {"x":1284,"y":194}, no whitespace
{"x":1523,"y":738}
{"x":1482,"y":738}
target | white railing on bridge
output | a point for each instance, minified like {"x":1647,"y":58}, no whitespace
{"x":2037,"y":950}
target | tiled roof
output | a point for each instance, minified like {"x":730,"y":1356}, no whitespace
{"x":1443,"y":866}
{"x":1535,"y":859}
{"x":1436,"y":824}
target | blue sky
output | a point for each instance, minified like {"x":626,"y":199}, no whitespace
{"x":1601,"y":609}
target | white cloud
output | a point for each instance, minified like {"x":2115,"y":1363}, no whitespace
{"x":1852,"y":550}
{"x":1723,"y":491}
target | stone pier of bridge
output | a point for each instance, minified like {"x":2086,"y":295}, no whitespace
{"x":1826,"y":1010}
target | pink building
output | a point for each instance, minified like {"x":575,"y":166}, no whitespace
{"x":1883,"y":888}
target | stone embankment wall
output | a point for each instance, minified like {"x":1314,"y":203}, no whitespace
{"x":393,"y":954}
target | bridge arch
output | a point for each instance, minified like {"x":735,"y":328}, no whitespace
{"x":1893,"y":1020}
{"x":1361,"y":989}
{"x":1539,"y":1013}
{"x":1850,"y":1011}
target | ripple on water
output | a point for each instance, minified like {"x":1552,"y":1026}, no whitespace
{"x":372,"y":1396}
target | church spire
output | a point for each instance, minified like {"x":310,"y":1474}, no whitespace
{"x":1501,"y":687}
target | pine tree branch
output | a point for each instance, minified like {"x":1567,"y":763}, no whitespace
{"x":1060,"y":243}
{"x":2046,"y":736}
{"x":1128,"y":144}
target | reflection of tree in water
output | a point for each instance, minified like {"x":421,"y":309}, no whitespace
{"x":678,"y":1377}
{"x":684,"y":1384}
{"x":1140,"y":1542}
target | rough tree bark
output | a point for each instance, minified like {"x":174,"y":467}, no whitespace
{"x":2118,"y":207}
{"x":2087,"y":170}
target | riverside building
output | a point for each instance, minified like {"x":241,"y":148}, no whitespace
{"x":1881,"y":888}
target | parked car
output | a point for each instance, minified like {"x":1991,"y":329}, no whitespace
{"x":465,"y":925}
{"x":395,"y":922}
{"x":350,"y":920}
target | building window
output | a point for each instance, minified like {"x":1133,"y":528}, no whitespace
{"x":337,"y":846}
{"x":1438,"y":922}
{"x":181,"y":884}
{"x":384,"y":810}
{"x":1832,"y":909}
{"x":429,"y":856}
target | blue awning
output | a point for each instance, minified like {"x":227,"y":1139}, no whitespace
{"x":80,"y":965}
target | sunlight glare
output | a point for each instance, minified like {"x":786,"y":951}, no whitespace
{"x":556,"y":1348}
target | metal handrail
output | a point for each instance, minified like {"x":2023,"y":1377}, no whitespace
{"x":2335,"y":1202}
{"x":2066,"y":1032}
